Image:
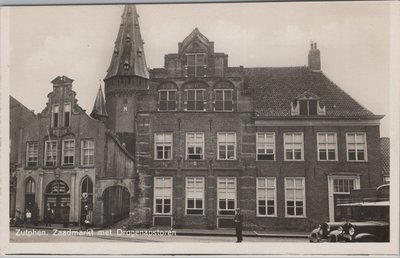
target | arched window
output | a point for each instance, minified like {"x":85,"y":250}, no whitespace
{"x":87,"y":192}
{"x":57,"y":187}
{"x":30,"y":190}
{"x":30,"y":186}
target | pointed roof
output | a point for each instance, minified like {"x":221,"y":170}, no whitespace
{"x":128,"y":57}
{"x":99,"y":108}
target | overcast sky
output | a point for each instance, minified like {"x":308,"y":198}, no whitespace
{"x":77,"y":41}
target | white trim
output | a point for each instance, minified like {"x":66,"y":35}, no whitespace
{"x":203,"y":194}
{"x":45,"y":153}
{"x":336,"y":146}
{"x":62,"y":152}
{"x":266,"y":199}
{"x":355,"y":139}
{"x":195,"y":100}
{"x":27,"y":153}
{"x":302,"y":146}
{"x":304,"y":198}
{"x":331,"y":202}
{"x":226,"y":145}
{"x":163,"y":197}
{"x":176,"y":99}
{"x":186,"y":145}
{"x":274,"y":142}
{"x":70,"y":114}
{"x":226,"y":179}
{"x":52,"y":115}
{"x":223,"y":100}
{"x":82,"y":152}
{"x":163,"y":144}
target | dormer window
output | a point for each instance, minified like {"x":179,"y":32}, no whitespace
{"x":307,"y":104}
{"x":196,"y":65}
{"x":128,"y":38}
{"x":308,"y":107}
{"x":139,"y":52}
{"x":115,"y":51}
{"x":126,"y":65}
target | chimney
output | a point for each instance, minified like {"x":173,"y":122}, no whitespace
{"x":314,"y":59}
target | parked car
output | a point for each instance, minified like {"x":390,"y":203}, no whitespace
{"x":367,"y":221}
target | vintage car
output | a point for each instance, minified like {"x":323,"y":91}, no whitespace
{"x":367,"y":221}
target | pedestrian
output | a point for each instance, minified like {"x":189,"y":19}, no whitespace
{"x":48,"y":215}
{"x":238,"y":225}
{"x":28,"y":216}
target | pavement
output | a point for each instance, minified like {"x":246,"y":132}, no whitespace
{"x":195,"y":232}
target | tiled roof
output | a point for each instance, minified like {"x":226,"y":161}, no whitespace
{"x":385,"y":155}
{"x":99,"y":107}
{"x":274,"y":89}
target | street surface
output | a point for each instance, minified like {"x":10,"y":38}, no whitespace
{"x":51,"y":236}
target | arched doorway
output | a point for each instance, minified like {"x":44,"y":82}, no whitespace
{"x":30,"y":189}
{"x":86,"y":199}
{"x":57,"y":196}
{"x":115,"y":204}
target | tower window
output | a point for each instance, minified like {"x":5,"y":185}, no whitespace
{"x":125,"y":105}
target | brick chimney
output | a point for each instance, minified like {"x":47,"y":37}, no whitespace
{"x":314,"y":59}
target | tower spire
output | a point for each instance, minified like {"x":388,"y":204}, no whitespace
{"x":128,"y":57}
{"x":99,"y":108}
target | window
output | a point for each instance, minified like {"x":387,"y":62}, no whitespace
{"x":265,"y":146}
{"x":226,"y":146}
{"x":195,"y":195}
{"x":30,"y":187}
{"x":167,"y":100}
{"x":223,"y":100}
{"x":196,"y":64}
{"x":386,"y":179}
{"x":226,"y":195}
{"x":87,"y":187}
{"x":327,"y":146}
{"x":195,"y":100}
{"x":54,"y":117}
{"x":356,"y":147}
{"x":68,"y":152}
{"x":163,"y":195}
{"x":50,"y":158}
{"x":125,"y":105}
{"x":67,"y":114}
{"x":163,"y":146}
{"x":32,"y":151}
{"x":343,"y":186}
{"x":308,"y":107}
{"x":87,"y":152}
{"x":266,"y":196}
{"x":293,"y":143}
{"x":295,"y":196}
{"x":194,"y":145}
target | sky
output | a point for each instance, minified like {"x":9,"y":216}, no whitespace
{"x":78,"y":42}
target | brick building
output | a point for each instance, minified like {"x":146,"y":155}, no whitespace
{"x":283,"y":144}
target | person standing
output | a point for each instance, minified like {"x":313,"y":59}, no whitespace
{"x":28,"y":216}
{"x":238,"y":225}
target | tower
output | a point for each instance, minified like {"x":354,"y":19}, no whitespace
{"x":127,"y":77}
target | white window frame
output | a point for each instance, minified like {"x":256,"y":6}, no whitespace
{"x":36,"y":156}
{"x":186,"y":145}
{"x":168,"y":91}
{"x":304,"y":198}
{"x":365,"y":146}
{"x":265,"y":145}
{"x":195,"y":61}
{"x":163,"y":197}
{"x":63,"y":152}
{"x":302,"y":146}
{"x":326,"y":146}
{"x":258,"y":188}
{"x":52,"y":115}
{"x":226,"y":179}
{"x":223,"y":100}
{"x":226,"y":145}
{"x":83,"y":152}
{"x":163,"y":144}
{"x":45,"y":153}
{"x":202,"y":195}
{"x":69,"y":116}
{"x":195,"y":100}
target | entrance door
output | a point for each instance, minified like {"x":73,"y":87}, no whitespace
{"x":339,"y":192}
{"x":30,"y":195}
{"x":58,"y":198}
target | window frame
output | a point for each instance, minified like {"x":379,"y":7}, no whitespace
{"x":163,"y":197}
{"x":168,"y":91}
{"x":365,"y":147}
{"x":302,"y":146}
{"x":326,"y":147}
{"x":83,"y":152}
{"x":53,"y":114}
{"x":69,"y":115}
{"x":27,"y":154}
{"x":195,"y":66}
{"x":202,"y":197}
{"x":223,"y":100}
{"x":266,"y":199}
{"x":265,"y":144}
{"x":202,"y":147}
{"x":294,"y":200}
{"x":226,"y":199}
{"x":204,"y":101}
{"x":45,"y":153}
{"x":163,"y":145}
{"x":63,"y":153}
{"x":226,"y":145}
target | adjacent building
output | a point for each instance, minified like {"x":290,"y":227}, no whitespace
{"x":188,"y":143}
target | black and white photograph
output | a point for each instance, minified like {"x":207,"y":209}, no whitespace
{"x":200,"y":128}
